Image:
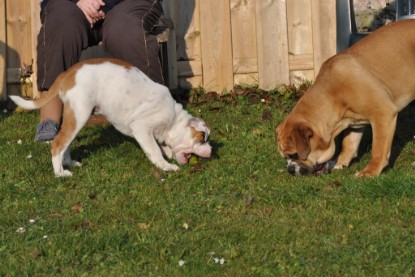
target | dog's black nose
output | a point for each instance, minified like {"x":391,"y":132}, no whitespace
{"x":304,"y":171}
{"x":291,"y":169}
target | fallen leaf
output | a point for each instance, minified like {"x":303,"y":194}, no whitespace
{"x":249,"y":200}
{"x":210,"y":96}
{"x":143,"y":226}
{"x":83,"y":224}
{"x":267,"y":100}
{"x":35,"y":254}
{"x":267,"y":115}
{"x":334,"y":184}
{"x":76,"y":208}
{"x":257,"y":132}
{"x":196,"y":168}
{"x":158,"y":173}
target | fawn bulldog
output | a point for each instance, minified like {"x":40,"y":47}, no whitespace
{"x":369,"y":83}
{"x":134,"y":104}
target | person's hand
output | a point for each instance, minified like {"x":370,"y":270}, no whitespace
{"x":91,"y":9}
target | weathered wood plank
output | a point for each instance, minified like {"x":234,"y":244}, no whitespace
{"x":3,"y":51}
{"x":272,"y":43}
{"x":35,"y":27}
{"x":215,"y":26}
{"x":244,"y":45}
{"x":324,"y":31}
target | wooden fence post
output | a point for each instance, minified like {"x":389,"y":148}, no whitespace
{"x":244,"y":43}
{"x":3,"y":51}
{"x":215,"y":26}
{"x":324,"y":31}
{"x":300,"y":41}
{"x":35,"y":30}
{"x":272,"y":41}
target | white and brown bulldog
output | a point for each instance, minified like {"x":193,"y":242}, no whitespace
{"x":134,"y":104}
{"x":369,"y":83}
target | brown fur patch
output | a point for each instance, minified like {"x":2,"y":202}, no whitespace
{"x":198,"y":136}
{"x":66,"y":131}
{"x":104,"y":60}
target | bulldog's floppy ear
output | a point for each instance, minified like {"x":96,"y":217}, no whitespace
{"x":199,"y":125}
{"x":301,"y":137}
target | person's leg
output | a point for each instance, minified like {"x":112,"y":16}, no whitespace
{"x":64,"y":34}
{"x":127,"y":35}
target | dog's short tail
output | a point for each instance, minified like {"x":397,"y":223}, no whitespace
{"x":47,"y":96}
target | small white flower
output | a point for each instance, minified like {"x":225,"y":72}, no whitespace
{"x":32,"y":221}
{"x":185,"y":226}
{"x":45,"y":236}
{"x":20,"y":230}
{"x":219,"y":260}
{"x":181,"y":263}
{"x":263,"y":100}
{"x":19,"y":141}
{"x":29,"y":156}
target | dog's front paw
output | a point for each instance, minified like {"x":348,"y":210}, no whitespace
{"x":339,"y":166}
{"x":170,"y":167}
{"x":366,"y":173}
{"x":63,"y":173}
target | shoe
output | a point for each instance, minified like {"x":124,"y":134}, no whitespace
{"x":46,"y":131}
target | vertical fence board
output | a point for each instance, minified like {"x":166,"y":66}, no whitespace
{"x":324,"y":31}
{"x":244,"y":45}
{"x":187,"y":26}
{"x":19,"y":43}
{"x":300,"y":40}
{"x":189,"y":56}
{"x":273,"y":67}
{"x":35,"y":27}
{"x":3,"y":49}
{"x":216,"y":45}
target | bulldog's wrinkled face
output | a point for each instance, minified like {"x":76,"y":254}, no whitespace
{"x":303,"y":148}
{"x":194,"y":140}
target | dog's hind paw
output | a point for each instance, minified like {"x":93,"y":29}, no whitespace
{"x":170,"y":167}
{"x":75,"y":163}
{"x":64,"y":173}
{"x":71,"y":163}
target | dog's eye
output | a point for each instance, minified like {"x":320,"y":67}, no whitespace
{"x":292,"y":156}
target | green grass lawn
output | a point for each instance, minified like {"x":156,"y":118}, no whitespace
{"x":119,"y":216}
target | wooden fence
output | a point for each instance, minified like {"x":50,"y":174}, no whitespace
{"x":213,"y":43}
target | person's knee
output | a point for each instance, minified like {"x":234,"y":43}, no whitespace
{"x":64,"y":16}
{"x":122,"y":33}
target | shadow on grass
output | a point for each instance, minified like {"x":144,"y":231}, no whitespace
{"x":404,"y":134}
{"x":109,"y":136}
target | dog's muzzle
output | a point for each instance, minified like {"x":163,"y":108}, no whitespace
{"x":296,"y":168}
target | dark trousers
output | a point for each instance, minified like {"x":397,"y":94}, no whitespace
{"x":125,"y":34}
